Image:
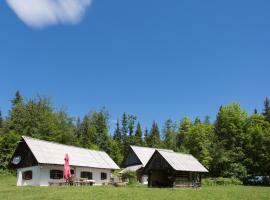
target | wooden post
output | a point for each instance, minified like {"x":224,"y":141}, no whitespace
{"x":149,"y":179}
{"x":200,"y":178}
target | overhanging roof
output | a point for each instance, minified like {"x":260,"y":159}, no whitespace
{"x":145,"y":153}
{"x":182,"y":162}
{"x":53,"y":153}
{"x":132,"y":168}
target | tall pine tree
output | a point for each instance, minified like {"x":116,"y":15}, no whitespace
{"x":117,"y":133}
{"x":1,"y":119}
{"x":169,"y":135}
{"x":154,"y":136}
{"x":266,"y":110}
{"x":124,"y":130}
{"x":138,"y":136}
{"x":131,"y":123}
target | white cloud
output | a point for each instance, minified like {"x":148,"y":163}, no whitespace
{"x":41,"y":13}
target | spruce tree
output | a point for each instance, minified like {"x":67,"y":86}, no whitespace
{"x":17,"y":113}
{"x":146,"y":137}
{"x":169,"y":135}
{"x":197,"y":121}
{"x":117,"y":133}
{"x":184,"y":128}
{"x":18,"y":98}
{"x":1,"y":119}
{"x":131,"y":123}
{"x":124,"y":130}
{"x":266,"y":110}
{"x":84,"y":132}
{"x":207,"y":120}
{"x":138,"y":136}
{"x":100,"y":122}
{"x":77,"y":128}
{"x":154,"y":136}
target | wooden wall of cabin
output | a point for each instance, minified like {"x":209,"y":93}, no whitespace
{"x":131,"y":159}
{"x":187,"y":179}
{"x":27,"y":157}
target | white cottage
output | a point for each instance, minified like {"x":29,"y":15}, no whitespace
{"x":40,"y":163}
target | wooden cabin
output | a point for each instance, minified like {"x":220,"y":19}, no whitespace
{"x":41,"y":163}
{"x":136,"y":159}
{"x":171,"y":169}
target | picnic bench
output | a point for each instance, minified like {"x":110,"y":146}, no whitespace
{"x":82,"y":182}
{"x":72,"y":181}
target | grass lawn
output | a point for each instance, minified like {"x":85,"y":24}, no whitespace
{"x":9,"y":191}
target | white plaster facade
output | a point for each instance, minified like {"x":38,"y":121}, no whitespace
{"x":41,"y":174}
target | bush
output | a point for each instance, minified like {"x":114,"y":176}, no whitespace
{"x":6,"y":173}
{"x":221,"y":181}
{"x":130,"y":176}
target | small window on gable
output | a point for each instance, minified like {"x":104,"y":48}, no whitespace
{"x":27,"y":175}
{"x":56,"y":174}
{"x":87,"y":175}
{"x":103,"y":176}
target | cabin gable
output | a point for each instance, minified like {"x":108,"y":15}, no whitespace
{"x":27,"y":159}
{"x":157,"y":162}
{"x":131,"y":159}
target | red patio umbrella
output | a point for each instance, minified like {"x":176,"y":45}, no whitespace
{"x":67,"y":173}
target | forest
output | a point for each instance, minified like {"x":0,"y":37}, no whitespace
{"x":236,"y":144}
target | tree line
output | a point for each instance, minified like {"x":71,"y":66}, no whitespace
{"x":234,"y":145}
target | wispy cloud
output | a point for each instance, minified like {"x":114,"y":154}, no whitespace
{"x":41,"y":13}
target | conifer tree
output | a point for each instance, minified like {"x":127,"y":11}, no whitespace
{"x":154,"y":136}
{"x":207,"y":120}
{"x":1,"y":119}
{"x":18,"y":98}
{"x":266,"y":111}
{"x":117,"y":133}
{"x":131,"y":123}
{"x":124,"y":132}
{"x":124,"y":123}
{"x":146,"y":137}
{"x":197,"y":121}
{"x":184,"y":128}
{"x":138,"y":136}
{"x":169,"y":135}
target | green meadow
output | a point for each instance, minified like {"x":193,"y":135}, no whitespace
{"x":8,"y":191}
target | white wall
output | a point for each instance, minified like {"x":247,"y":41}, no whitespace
{"x":41,"y":174}
{"x":35,"y":176}
{"x":96,"y":174}
{"x":45,"y":174}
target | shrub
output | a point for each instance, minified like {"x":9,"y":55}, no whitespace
{"x":221,"y":181}
{"x":6,"y":172}
{"x":130,"y":176}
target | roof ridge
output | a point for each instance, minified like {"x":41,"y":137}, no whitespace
{"x":175,"y":152}
{"x":152,"y":148}
{"x":52,"y":142}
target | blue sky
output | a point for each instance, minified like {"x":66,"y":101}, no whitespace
{"x":155,"y":59}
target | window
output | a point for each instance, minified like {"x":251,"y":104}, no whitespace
{"x":103,"y":176}
{"x":56,"y":174}
{"x":87,"y":175}
{"x":72,"y":171}
{"x":27,"y":175}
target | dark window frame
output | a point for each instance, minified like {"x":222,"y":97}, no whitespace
{"x":56,"y":174}
{"x":86,"y":174}
{"x":27,"y":175}
{"x":72,"y":171}
{"x":103,"y":176}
